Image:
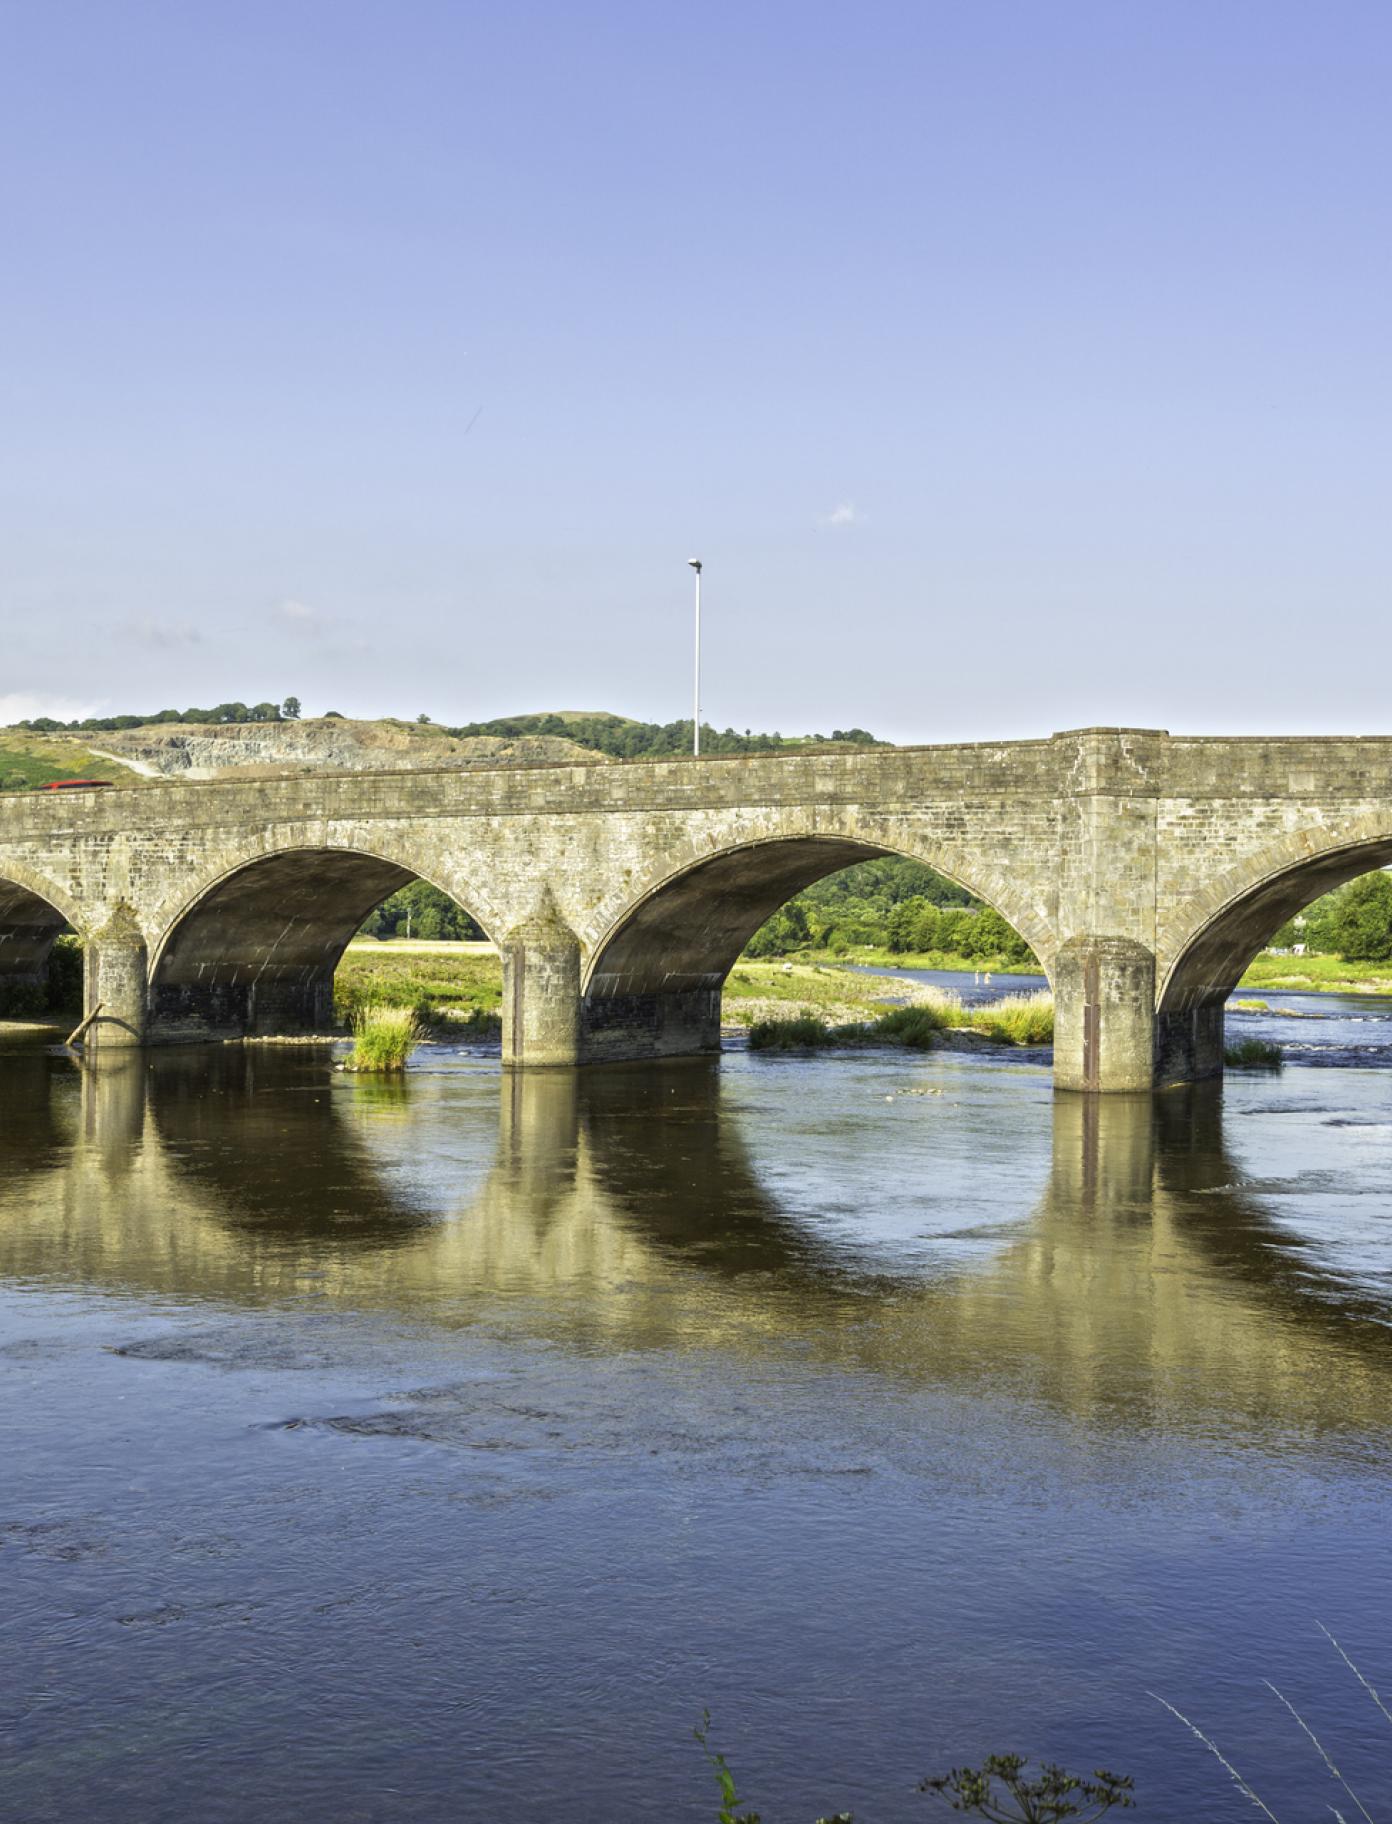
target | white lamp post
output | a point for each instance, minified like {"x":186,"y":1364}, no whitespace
{"x":695,"y":564}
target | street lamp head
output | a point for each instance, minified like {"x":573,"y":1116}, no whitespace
{"x":695,"y":562}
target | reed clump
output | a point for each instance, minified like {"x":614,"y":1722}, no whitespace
{"x":383,"y":1039}
{"x":915,"y":1027}
{"x":1019,"y":1019}
{"x":801,"y":1032}
{"x":1252,"y":1054}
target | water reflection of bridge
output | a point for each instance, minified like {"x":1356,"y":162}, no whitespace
{"x":1149,"y":1286}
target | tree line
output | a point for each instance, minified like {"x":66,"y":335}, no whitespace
{"x":421,"y":911}
{"x":895,"y":905}
{"x":616,"y":736}
{"x":286,"y":711}
{"x":626,"y":740}
{"x":1354,"y":922}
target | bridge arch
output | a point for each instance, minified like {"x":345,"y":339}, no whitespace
{"x":33,"y":912}
{"x":661,"y":953}
{"x":1215,"y":933}
{"x":255,"y":945}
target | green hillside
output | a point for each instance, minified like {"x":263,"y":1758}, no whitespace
{"x":29,"y":760}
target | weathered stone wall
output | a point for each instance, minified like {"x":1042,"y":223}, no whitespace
{"x":620,"y":893}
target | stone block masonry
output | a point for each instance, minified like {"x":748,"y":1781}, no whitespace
{"x":1145,"y":870}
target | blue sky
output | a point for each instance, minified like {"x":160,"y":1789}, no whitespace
{"x":1011,"y":367}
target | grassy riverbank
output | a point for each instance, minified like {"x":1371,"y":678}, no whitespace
{"x":1015,"y":1019}
{"x":871,"y":956}
{"x":446,"y":985}
{"x":459,"y":984}
{"x":1327,"y":974}
{"x":769,"y":990}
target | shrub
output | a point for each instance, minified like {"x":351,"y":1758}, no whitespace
{"x":917,"y":1027}
{"x":1022,"y":1019}
{"x":383,"y":1038}
{"x":804,"y":1032}
{"x":1253,"y":1054}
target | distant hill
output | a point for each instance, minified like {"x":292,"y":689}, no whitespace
{"x":202,"y":744}
{"x":256,"y":749}
{"x":625,"y":739}
{"x":29,"y":760}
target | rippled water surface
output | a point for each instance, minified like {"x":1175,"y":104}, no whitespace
{"x":440,"y":1450}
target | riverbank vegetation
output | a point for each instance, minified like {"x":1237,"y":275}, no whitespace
{"x":896,"y":910}
{"x":422,"y":911}
{"x":1016,"y":1019}
{"x":60,"y":995}
{"x":383,"y":1039}
{"x":1344,"y":942}
{"x":1253,"y":1054}
{"x":1003,"y":1790}
{"x":453,"y":986}
{"x":757,"y":991}
{"x":448,"y":986}
{"x":1318,"y":974}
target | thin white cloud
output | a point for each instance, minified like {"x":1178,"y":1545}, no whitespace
{"x":844,"y":515}
{"x":302,"y":615}
{"x":24,"y":706}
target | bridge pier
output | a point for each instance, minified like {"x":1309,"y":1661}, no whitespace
{"x":1104,"y":1015}
{"x":1189,"y":1045}
{"x":117,"y":978}
{"x":630,"y":1028}
{"x":541,"y":993}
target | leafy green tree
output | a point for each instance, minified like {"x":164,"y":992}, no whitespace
{"x":290,"y":709}
{"x":786,"y":930}
{"x":925,"y":933}
{"x":908,"y":922}
{"x":955,"y":928}
{"x":423,"y":911}
{"x":1361,"y":926}
{"x":994,"y":937}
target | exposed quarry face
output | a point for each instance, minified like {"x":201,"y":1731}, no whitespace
{"x":204,"y":751}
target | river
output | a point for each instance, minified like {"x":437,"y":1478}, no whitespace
{"x":441,"y":1449}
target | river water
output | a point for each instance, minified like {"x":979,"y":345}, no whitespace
{"x":441,"y":1449}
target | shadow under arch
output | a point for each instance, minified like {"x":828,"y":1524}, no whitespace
{"x":1234,"y":921}
{"x":654,"y":979}
{"x":255,"y":949}
{"x":33,"y":914}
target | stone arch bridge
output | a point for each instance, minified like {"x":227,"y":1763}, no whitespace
{"x":1145,"y":869}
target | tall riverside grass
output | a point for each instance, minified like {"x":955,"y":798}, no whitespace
{"x":383,"y":1039}
{"x":1018,"y":1019}
{"x":916,"y":1027}
{"x":1335,"y":1774}
{"x":1021,"y":1019}
{"x":442,"y":989}
{"x":1252,"y":1054}
{"x":800,"y":1032}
